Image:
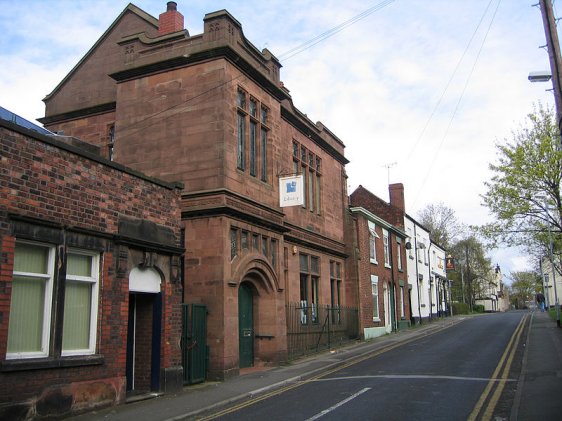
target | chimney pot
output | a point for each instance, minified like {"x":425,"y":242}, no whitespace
{"x":171,"y":6}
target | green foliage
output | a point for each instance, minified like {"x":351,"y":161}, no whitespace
{"x":524,"y":192}
{"x":478,"y":308}
{"x":460,"y":308}
{"x":442,"y":223}
{"x":471,"y":266}
{"x":524,"y":287}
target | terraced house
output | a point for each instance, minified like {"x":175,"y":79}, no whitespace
{"x":210,"y":111}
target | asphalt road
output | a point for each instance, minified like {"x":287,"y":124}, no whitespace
{"x":466,"y":372}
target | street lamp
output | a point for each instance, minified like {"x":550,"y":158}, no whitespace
{"x":540,"y":76}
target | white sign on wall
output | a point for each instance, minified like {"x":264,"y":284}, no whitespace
{"x":291,"y":190}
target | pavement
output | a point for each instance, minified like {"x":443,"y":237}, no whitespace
{"x":541,"y":377}
{"x":539,"y":390}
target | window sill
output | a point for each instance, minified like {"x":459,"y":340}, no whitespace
{"x":24,"y":364}
{"x":376,"y":319}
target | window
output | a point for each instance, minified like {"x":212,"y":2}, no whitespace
{"x":80,"y":303}
{"x":241,"y":99}
{"x":375,"y":296}
{"x":372,"y":242}
{"x":33,"y":324}
{"x":30,"y":307}
{"x":241,"y":144}
{"x":399,"y":254}
{"x":233,"y":243}
{"x":240,"y":242}
{"x":263,"y":157}
{"x":309,"y":280}
{"x":311,"y":197}
{"x":251,"y":147}
{"x":111,"y":141}
{"x":386,"y":241}
{"x":335,"y":290}
{"x":314,"y":278}
{"x":273,"y":250}
{"x":309,"y":165}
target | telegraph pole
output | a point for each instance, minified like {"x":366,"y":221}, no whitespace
{"x":553,"y":46}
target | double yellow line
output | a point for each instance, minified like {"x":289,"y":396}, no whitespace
{"x":504,"y":366}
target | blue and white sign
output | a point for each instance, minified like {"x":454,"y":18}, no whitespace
{"x":291,"y":191}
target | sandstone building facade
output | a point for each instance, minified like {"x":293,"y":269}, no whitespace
{"x":210,"y":110}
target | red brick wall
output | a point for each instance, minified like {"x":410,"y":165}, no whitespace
{"x":41,"y":180}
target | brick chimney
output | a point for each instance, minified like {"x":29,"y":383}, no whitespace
{"x":396,"y":193}
{"x":171,"y":20}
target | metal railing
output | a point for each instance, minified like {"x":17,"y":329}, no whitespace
{"x":315,"y":328}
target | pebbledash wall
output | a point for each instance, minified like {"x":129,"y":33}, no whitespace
{"x":67,"y":202}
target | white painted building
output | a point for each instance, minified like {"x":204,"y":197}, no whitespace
{"x":440,"y":287}
{"x":550,"y":279}
{"x":417,"y":245}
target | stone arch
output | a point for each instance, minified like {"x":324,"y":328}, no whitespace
{"x":257,"y":268}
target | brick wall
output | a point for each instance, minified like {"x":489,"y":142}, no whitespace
{"x":45,"y":183}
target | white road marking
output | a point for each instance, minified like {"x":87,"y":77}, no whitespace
{"x":331,"y":408}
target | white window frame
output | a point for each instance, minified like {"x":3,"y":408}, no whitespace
{"x":94,"y":281}
{"x":48,"y":278}
{"x":375,"y":295}
{"x":386,"y":242}
{"x":373,"y":235}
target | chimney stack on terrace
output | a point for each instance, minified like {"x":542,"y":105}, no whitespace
{"x":396,"y":193}
{"x":171,"y":20}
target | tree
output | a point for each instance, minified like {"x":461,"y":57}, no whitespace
{"x":524,"y":191}
{"x":471,"y":265}
{"x":524,"y":286}
{"x":444,"y":227}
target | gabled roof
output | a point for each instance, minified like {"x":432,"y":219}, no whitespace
{"x":130,"y":8}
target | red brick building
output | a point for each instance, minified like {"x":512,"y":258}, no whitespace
{"x":210,"y":111}
{"x":377,"y":267}
{"x":90,"y":287}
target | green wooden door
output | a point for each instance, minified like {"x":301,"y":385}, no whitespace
{"x":246,"y":326}
{"x":194,"y":343}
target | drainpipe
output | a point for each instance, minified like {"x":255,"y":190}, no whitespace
{"x":393,"y":279}
{"x":417,"y":273}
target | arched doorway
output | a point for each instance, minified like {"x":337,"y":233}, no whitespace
{"x":144,"y":331}
{"x":246,"y":324}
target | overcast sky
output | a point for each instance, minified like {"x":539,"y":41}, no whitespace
{"x":420,"y":91}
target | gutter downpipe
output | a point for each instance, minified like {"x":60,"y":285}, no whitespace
{"x":417,"y":273}
{"x":435,"y":280}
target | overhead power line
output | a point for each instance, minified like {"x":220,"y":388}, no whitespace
{"x":319,"y":38}
{"x":430,"y":167}
{"x":135,"y":127}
